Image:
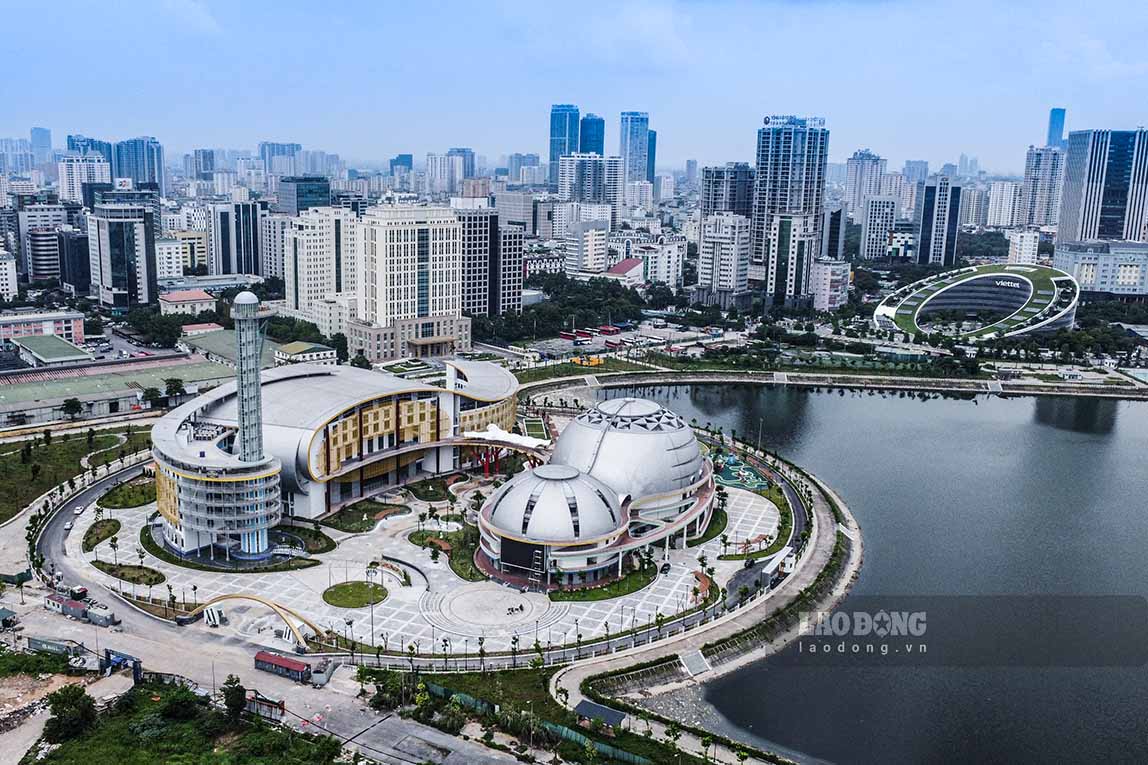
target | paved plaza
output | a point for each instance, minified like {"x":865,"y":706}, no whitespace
{"x":437,"y":604}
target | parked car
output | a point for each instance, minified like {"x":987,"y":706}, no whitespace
{"x":665,"y":569}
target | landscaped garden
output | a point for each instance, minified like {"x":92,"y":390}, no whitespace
{"x":355,"y":594}
{"x":459,"y":546}
{"x":138,"y":439}
{"x":130,"y":573}
{"x":630,"y":583}
{"x":314,"y":541}
{"x":151,"y":546}
{"x":135,"y":493}
{"x":566,"y":369}
{"x":434,"y":489}
{"x":105,"y":528}
{"x":718,"y":521}
{"x":362,"y":516}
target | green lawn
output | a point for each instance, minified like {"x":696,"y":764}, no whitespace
{"x":535,"y":427}
{"x":163,"y":725}
{"x":132,"y":494}
{"x":130,"y":573}
{"x":361,"y":516}
{"x":431,"y":489}
{"x":139,"y":439}
{"x":354,"y":594}
{"x":99,"y":531}
{"x":784,"y":523}
{"x":461,"y":553}
{"x":567,"y":369}
{"x":291,"y":564}
{"x":314,"y":542}
{"x":630,"y":583}
{"x":718,"y":522}
{"x":47,"y":466}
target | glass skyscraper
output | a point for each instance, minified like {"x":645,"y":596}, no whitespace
{"x":563,"y":136}
{"x":1055,"y":128}
{"x":1105,"y":194}
{"x":140,"y":159}
{"x":651,"y":153}
{"x":299,"y":193}
{"x":592,"y":138}
{"x":634,"y":146}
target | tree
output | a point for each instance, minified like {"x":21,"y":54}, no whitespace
{"x":360,"y":361}
{"x":151,"y":396}
{"x":73,"y":713}
{"x":91,"y":437}
{"x":173,"y":386}
{"x":339,"y":343}
{"x":115,"y":545}
{"x":72,"y":408}
{"x":234,"y":697}
{"x":35,"y":470}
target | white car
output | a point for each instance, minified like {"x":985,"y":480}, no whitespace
{"x":79,"y":510}
{"x":68,"y":526}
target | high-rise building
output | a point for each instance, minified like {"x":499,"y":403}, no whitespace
{"x":75,"y":263}
{"x":591,"y":135}
{"x":41,"y":141}
{"x":640,"y":194}
{"x":727,"y":188}
{"x":664,"y":187}
{"x":1023,"y":247}
{"x":491,"y":263}
{"x":269,"y":151}
{"x":319,"y":256}
{"x":877,"y":221}
{"x":1105,"y":194}
{"x":691,"y":172}
{"x":302,"y":192}
{"x":444,"y":172}
{"x":651,"y":154}
{"x":829,"y":280}
{"x":141,"y":159}
{"x":1004,"y":204}
{"x":235,"y":230}
{"x":121,"y":247}
{"x":1055,"y":128}
{"x":74,"y":171}
{"x":84,"y":145}
{"x":468,"y":163}
{"x":9,"y":281}
{"x":789,"y":189}
{"x":402,"y":163}
{"x":41,"y":217}
{"x":937,"y":221}
{"x":43,"y":253}
{"x":272,"y":244}
{"x":974,"y":206}
{"x":564,"y":125}
{"x":592,"y":178}
{"x":202,"y":164}
{"x":587,"y":247}
{"x":724,"y":247}
{"x":896,"y":185}
{"x":916,"y":170}
{"x":634,"y":145}
{"x":834,"y":221}
{"x":967,"y":167}
{"x":515,"y":163}
{"x":863,"y":173}
{"x":1041,"y":191}
{"x":409,"y":296}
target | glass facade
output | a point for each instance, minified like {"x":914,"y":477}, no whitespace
{"x":563,"y":136}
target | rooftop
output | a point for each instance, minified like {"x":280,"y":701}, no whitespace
{"x":51,"y":348}
{"x":625,"y":266}
{"x":299,"y":346}
{"x":221,"y":343}
{"x":185,"y":296}
{"x":22,"y":316}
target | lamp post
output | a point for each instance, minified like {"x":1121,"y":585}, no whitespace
{"x":371,"y":574}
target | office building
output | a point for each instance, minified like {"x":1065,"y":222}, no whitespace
{"x":877,"y":221}
{"x":937,"y":221}
{"x":402,"y":164}
{"x":724,"y":250}
{"x":834,"y":221}
{"x":663,"y":188}
{"x":272,"y":240}
{"x":491,"y":264}
{"x":319,"y":257}
{"x":651,"y":154}
{"x":75,"y":260}
{"x":1023,"y":247}
{"x":1105,"y":192}
{"x":171,"y":257}
{"x":9,"y":284}
{"x":515,"y":163}
{"x":1004,"y":204}
{"x":640,"y":194}
{"x":691,"y":172}
{"x":202,"y":165}
{"x":121,"y":245}
{"x":270,"y":151}
{"x":39,"y":217}
{"x":564,"y":125}
{"x":43,"y":254}
{"x":592,"y":178}
{"x":516,"y":208}
{"x":468,"y":161}
{"x":302,"y":192}
{"x":41,"y":143}
{"x":1042,"y":187}
{"x":197,"y":247}
{"x":75,"y":170}
{"x":1055,"y":128}
{"x":829,"y":282}
{"x":409,"y":297}
{"x":83,"y":145}
{"x":896,"y":185}
{"x":1105,"y":269}
{"x":591,"y":135}
{"x":789,"y":189}
{"x":141,"y":159}
{"x":916,"y":170}
{"x":727,"y":188}
{"x":235,"y":231}
{"x":634,"y":146}
{"x":587,"y":247}
{"x":863,"y":173}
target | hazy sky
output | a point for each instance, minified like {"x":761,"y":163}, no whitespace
{"x":911,"y":79}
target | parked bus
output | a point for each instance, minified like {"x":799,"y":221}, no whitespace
{"x":566,"y":335}
{"x":584,"y":333}
{"x":614,"y":344}
{"x":606,"y":329}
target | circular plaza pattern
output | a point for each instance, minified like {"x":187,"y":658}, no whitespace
{"x":1026,"y":298}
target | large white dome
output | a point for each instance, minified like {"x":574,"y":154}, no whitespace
{"x":635,"y":446}
{"x":555,"y":503}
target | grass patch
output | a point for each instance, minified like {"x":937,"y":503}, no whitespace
{"x":161,"y":552}
{"x":132,"y":494}
{"x":432,"y":489}
{"x":463,"y":544}
{"x":155,"y":724}
{"x":138,"y":440}
{"x":718,"y":521}
{"x":355,"y":594}
{"x":47,"y":466}
{"x":98,"y":532}
{"x":314,"y":542}
{"x":784,"y":523}
{"x":362,"y":516}
{"x":628,"y":584}
{"x":130,"y":573}
{"x":567,"y":369}
{"x":16,"y":663}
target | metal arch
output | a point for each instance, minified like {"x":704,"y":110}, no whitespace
{"x":282,"y":611}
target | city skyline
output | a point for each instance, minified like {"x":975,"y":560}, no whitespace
{"x":633,"y":57}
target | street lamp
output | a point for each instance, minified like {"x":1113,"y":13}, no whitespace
{"x":371,"y":574}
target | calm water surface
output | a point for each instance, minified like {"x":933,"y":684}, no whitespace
{"x":984,"y":496}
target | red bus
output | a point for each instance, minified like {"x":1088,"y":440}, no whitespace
{"x":606,"y":329}
{"x":584,"y":333}
{"x":566,"y":335}
{"x":612,"y":343}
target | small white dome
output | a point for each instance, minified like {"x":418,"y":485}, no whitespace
{"x":635,"y":446}
{"x":555,"y":503}
{"x":246,"y":298}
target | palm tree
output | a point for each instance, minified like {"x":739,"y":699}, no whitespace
{"x":115,"y":545}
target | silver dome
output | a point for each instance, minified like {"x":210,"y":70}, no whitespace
{"x":635,"y":446}
{"x":555,"y":503}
